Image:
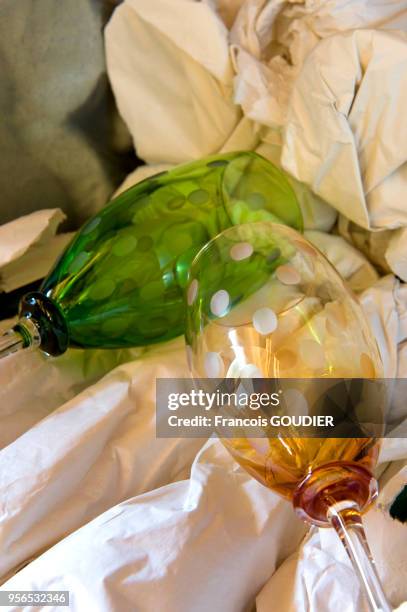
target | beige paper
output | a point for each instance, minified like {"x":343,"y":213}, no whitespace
{"x":29,"y":246}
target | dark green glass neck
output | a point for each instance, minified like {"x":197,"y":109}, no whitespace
{"x":42,"y":324}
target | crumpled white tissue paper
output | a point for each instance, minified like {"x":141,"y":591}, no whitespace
{"x":207,"y":543}
{"x":93,"y":451}
{"x":357,"y":161}
{"x":189,"y":61}
{"x":166,"y":547}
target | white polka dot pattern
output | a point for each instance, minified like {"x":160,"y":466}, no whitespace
{"x":192,"y":292}
{"x":241,"y":250}
{"x":264,"y":321}
{"x":288,"y":275}
{"x":213,"y":364}
{"x":220,"y":303}
{"x":312,"y":354}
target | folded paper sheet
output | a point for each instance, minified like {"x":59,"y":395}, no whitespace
{"x":29,"y":246}
{"x":190,"y":61}
{"x":267,"y":56}
{"x":357,"y":162}
{"x":207,"y":543}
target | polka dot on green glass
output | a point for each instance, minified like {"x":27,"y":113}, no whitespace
{"x":144,"y":243}
{"x":102,"y":289}
{"x":134,"y":299}
{"x":142,"y":270}
{"x":124,"y":245}
{"x":182,"y":243}
{"x":89,"y":227}
{"x":140,"y":204}
{"x":175,"y":203}
{"x":199,"y":196}
{"x":217,"y":163}
{"x":129,"y":285}
{"x":273,"y":255}
{"x":152,"y":291}
{"x":256,"y":200}
{"x":90,"y":245}
{"x":155,"y":326}
{"x":126,"y":270}
{"x":79,"y":261}
{"x":114,"y":327}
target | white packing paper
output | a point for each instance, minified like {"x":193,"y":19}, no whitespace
{"x":92,"y":452}
{"x":190,"y":60}
{"x":323,"y":579}
{"x":104,"y":451}
{"x":28,"y":247}
{"x":207,"y":543}
{"x":360,"y":175}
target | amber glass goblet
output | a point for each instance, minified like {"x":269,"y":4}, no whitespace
{"x":262,"y":302}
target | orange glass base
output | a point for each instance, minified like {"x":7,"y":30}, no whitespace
{"x":332,"y":483}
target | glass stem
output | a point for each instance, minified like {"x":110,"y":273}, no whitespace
{"x":25,"y":334}
{"x":10,"y":342}
{"x":346,"y":519}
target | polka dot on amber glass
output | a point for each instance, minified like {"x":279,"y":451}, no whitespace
{"x":286,"y":358}
{"x":312,"y":354}
{"x":264,"y":321}
{"x":288,"y":275}
{"x":213,"y":364}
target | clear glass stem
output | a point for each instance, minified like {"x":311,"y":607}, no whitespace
{"x":10,"y":342}
{"x":346,"y":519}
{"x":25,"y":334}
